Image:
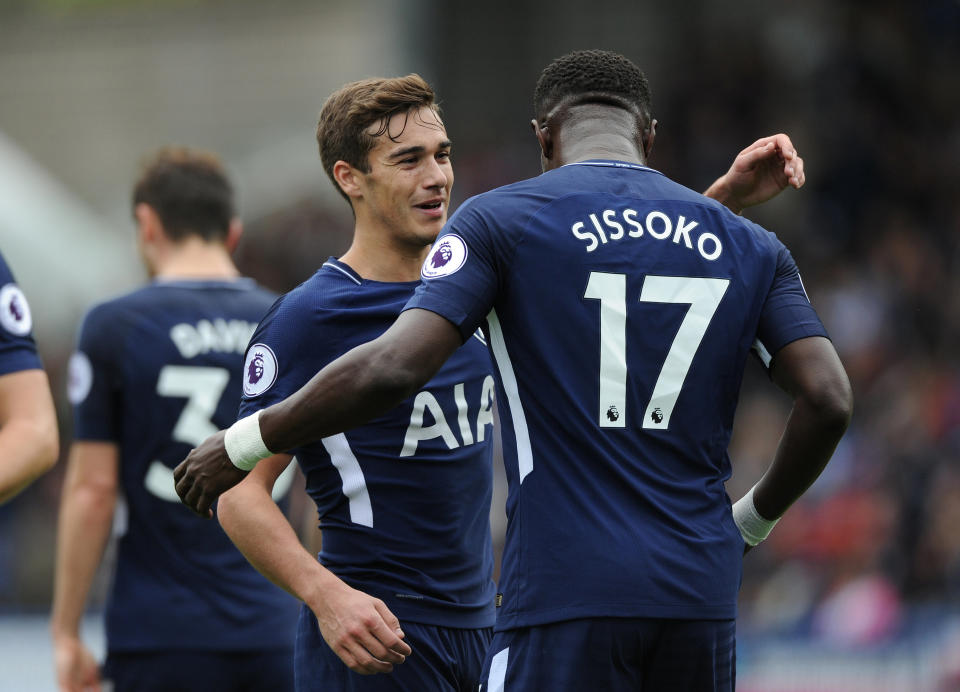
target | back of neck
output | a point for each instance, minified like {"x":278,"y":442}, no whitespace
{"x":593,"y":131}
{"x":197,"y":259}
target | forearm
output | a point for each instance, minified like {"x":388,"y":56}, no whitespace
{"x":28,"y":449}
{"x":258,"y":528}
{"x":86,"y":515}
{"x":720,"y":191}
{"x":367,"y":381}
{"x":809,"y":440}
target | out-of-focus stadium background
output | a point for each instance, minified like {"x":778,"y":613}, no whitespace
{"x":859,"y":586}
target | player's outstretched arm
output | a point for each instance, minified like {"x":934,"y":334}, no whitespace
{"x":759,"y":173}
{"x":29,"y":442}
{"x":360,"y":629}
{"x":810,"y":371}
{"x":364,"y":382}
{"x":83,"y":527}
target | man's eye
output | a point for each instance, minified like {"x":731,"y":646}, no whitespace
{"x":408,"y":160}
{"x":443,"y":155}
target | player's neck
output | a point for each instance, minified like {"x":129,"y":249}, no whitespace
{"x":598,"y":145}
{"x":597,"y":132}
{"x":377,"y":258}
{"x":193,"y":258}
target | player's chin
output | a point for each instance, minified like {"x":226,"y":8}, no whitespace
{"x":429,"y":230}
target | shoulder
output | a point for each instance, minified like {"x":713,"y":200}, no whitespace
{"x":300,"y":309}
{"x":525,"y":194}
{"x":6,"y":276}
{"x":117,"y":309}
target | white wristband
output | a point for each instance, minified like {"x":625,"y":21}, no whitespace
{"x":244,"y":444}
{"x":753,"y":527}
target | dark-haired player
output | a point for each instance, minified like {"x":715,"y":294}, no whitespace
{"x":404,"y":499}
{"x":155,"y":372}
{"x":29,"y":441}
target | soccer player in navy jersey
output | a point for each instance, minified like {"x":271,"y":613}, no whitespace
{"x":29,"y":441}
{"x":156,"y":371}
{"x":404,"y":499}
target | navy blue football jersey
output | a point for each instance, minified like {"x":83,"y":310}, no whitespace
{"x":403,"y":501}
{"x":17,"y":349}
{"x":620,"y":309}
{"x":157,"y":371}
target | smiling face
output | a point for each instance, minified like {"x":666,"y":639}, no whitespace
{"x":404,"y":196}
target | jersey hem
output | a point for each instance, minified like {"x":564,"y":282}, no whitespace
{"x":668,"y":612}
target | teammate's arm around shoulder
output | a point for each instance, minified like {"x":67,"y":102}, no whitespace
{"x":368,"y":380}
{"x":810,"y":371}
{"x":360,"y":629}
{"x":29,"y":442}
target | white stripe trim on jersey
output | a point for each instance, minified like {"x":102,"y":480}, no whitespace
{"x":509,"y":380}
{"x":498,"y":671}
{"x":351,"y":476}
{"x":762,"y":352}
{"x":612,"y":164}
{"x":342,"y":271}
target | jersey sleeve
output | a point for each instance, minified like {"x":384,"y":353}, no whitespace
{"x":285,"y":351}
{"x":93,"y":378}
{"x":787,"y":314}
{"x":17,"y":348}
{"x":460,"y":277}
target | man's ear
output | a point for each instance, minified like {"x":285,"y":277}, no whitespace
{"x":649,"y":134}
{"x":234,"y":232}
{"x":348,"y":178}
{"x":149,"y":225}
{"x":544,"y":137}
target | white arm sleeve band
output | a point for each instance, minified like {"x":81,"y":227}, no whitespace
{"x":753,"y":527}
{"x":244,"y":444}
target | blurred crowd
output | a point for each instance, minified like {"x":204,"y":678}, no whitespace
{"x":876,"y":233}
{"x":872,"y":102}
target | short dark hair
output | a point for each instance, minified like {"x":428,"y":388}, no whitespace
{"x":350,"y":110}
{"x":592,"y":76}
{"x":189,"y":191}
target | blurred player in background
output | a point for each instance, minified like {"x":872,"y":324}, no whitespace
{"x":29,"y":442}
{"x":404,"y":500}
{"x":155,"y":372}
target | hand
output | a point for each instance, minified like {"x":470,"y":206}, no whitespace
{"x":361,"y":630}
{"x":759,"y":173}
{"x":76,"y":668}
{"x":205,"y":474}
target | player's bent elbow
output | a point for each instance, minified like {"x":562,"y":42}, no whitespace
{"x":832,"y":405}
{"x":233,"y":504}
{"x":48,"y":449}
{"x":229,"y":504}
{"x":43,"y":440}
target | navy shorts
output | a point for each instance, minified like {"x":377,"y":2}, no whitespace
{"x":200,"y":671}
{"x":444,"y":659}
{"x":614,"y":655}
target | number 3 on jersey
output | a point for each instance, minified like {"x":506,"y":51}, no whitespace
{"x":702,"y":294}
{"x":202,"y":387}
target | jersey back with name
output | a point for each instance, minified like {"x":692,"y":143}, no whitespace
{"x":156,"y":372}
{"x":620,"y":309}
{"x":404,"y":501}
{"x":17,"y":348}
